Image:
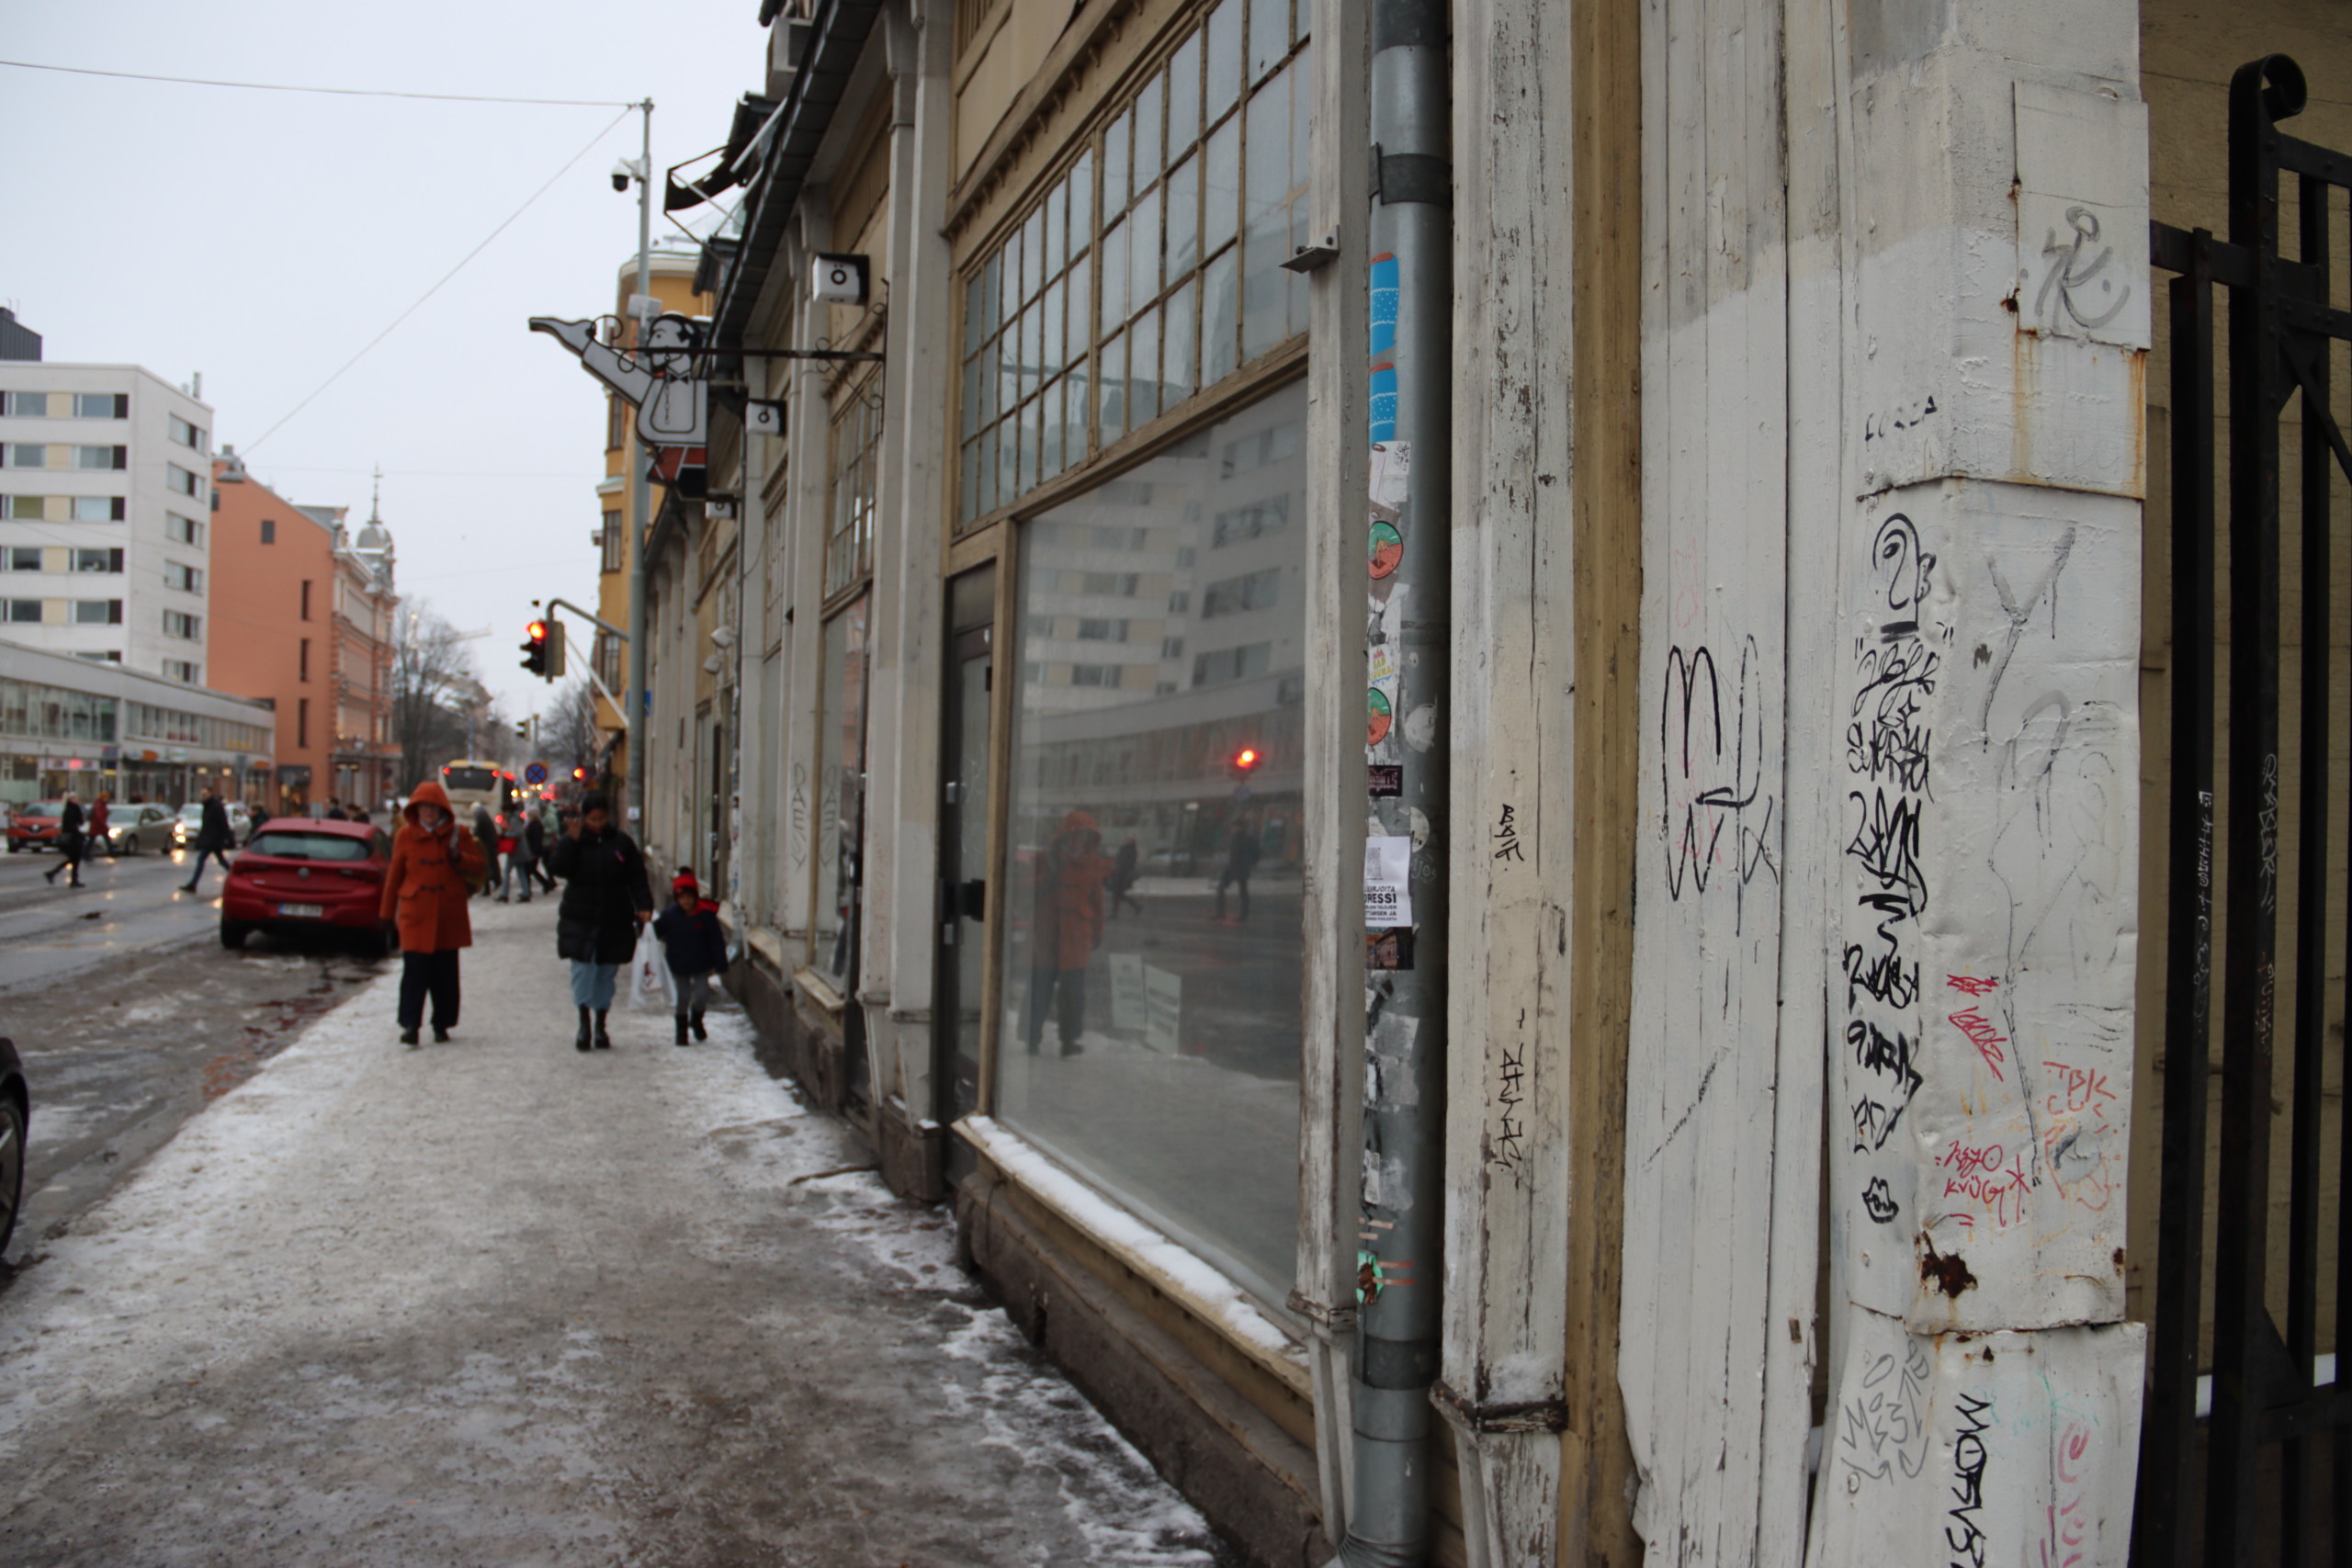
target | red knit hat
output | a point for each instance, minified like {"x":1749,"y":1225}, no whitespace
{"x":685,"y":883}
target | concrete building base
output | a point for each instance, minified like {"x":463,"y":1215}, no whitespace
{"x":1254,"y":1482}
{"x":913,"y":1153}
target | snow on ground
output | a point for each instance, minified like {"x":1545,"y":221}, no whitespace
{"x":495,"y":1301}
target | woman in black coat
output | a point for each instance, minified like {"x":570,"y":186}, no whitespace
{"x":606,"y":901}
{"x":70,"y":842}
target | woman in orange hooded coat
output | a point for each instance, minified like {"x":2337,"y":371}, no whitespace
{"x":1066,"y":926}
{"x":424,"y":896}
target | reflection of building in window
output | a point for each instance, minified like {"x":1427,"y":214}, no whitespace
{"x":1231,"y":664}
{"x":1257,"y":591}
{"x":1150,"y":269}
{"x":1132,"y":814}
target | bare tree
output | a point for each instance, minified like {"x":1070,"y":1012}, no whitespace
{"x":433,"y":681}
{"x":569,"y":738}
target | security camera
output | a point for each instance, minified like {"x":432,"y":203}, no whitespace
{"x":622,"y":174}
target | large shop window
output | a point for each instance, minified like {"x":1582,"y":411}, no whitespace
{"x":1150,"y":1031}
{"x":841,"y":769}
{"x":1152,"y":267}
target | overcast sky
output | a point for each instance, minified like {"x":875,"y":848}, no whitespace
{"x":262,"y":238}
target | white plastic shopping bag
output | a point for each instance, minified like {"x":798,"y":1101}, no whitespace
{"x":649,"y":985}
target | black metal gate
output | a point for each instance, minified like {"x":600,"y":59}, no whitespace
{"x":2283,"y":322}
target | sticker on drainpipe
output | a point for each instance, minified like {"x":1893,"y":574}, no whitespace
{"x":1388,"y":864}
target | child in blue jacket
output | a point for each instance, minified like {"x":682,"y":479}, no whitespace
{"x":696,"y":949}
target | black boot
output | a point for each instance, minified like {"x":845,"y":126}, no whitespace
{"x":604,"y":1041}
{"x":682,"y":1028}
{"x":580,"y":1041}
{"x":408,"y":1038}
{"x":700,"y":1033}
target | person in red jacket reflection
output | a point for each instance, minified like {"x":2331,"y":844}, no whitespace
{"x":1065,"y":929}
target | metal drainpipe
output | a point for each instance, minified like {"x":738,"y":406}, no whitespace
{"x":640,"y":520}
{"x":1402,"y":1232}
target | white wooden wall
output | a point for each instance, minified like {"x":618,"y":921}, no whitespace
{"x":1893,"y":450}
{"x":1509,"y":1207}
{"x":1723,"y":1107}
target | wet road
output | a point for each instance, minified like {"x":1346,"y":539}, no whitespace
{"x":128,"y":906}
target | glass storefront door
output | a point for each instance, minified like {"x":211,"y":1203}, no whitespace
{"x":962,"y":849}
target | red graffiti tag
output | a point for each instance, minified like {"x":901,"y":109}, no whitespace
{"x":1987,"y":1040}
{"x":1979,"y":1175}
{"x":1971,"y":984}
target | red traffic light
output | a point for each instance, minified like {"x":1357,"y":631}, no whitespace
{"x":580,"y":773}
{"x":1246,"y":759}
{"x":537,"y":631}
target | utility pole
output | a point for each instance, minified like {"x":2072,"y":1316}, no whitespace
{"x":640,"y":494}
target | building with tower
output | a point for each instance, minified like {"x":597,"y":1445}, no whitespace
{"x":311,"y":629}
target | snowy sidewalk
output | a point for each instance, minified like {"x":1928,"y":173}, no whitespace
{"x":498,"y":1301}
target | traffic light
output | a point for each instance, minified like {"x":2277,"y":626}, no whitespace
{"x":534,"y":650}
{"x":1245,"y":761}
{"x":580,"y":775}
{"x":521,"y":729}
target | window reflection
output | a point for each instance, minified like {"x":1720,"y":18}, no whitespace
{"x":1152,"y":953}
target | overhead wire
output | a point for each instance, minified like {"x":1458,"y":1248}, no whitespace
{"x":338,"y":92}
{"x":405,"y":315}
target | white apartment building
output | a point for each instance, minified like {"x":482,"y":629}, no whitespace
{"x":105,"y":515}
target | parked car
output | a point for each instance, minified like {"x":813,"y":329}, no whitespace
{"x":16,"y":1118}
{"x":34,"y":826}
{"x":136,"y":829}
{"x":309,"y":874}
{"x":191,"y":822}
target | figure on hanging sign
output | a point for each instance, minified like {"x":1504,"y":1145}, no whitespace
{"x":667,"y":383}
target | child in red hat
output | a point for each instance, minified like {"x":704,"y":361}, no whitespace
{"x":695,"y":946}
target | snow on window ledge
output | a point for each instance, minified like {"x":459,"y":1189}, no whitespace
{"x":1177,"y":1273}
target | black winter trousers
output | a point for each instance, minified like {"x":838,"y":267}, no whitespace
{"x":435,"y":973}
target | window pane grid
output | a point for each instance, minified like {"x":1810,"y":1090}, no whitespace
{"x":1079,"y":333}
{"x":857,"y":438}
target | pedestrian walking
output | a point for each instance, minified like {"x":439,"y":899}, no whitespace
{"x":1240,"y":859}
{"x":694,"y":947}
{"x":515,"y":850}
{"x":256,"y":818}
{"x":433,"y":860}
{"x":1124,"y":872}
{"x":100,"y":838}
{"x":606,"y":901}
{"x":1065,"y":929}
{"x":486,"y":833}
{"x":70,"y":842}
{"x":551,"y":828}
{"x":213,"y":837}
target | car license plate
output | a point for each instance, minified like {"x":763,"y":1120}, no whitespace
{"x":301,"y":912}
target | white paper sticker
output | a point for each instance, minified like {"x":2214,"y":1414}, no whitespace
{"x":1380,"y":663}
{"x":1388,"y":866}
{"x":1163,"y":996}
{"x":1126,"y":991}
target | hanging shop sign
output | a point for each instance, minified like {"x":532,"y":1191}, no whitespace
{"x":668,"y":383}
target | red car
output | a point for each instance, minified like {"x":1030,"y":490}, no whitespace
{"x":300,"y":873}
{"x":33,"y":825}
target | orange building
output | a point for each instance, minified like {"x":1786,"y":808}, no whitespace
{"x":306,"y":620}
